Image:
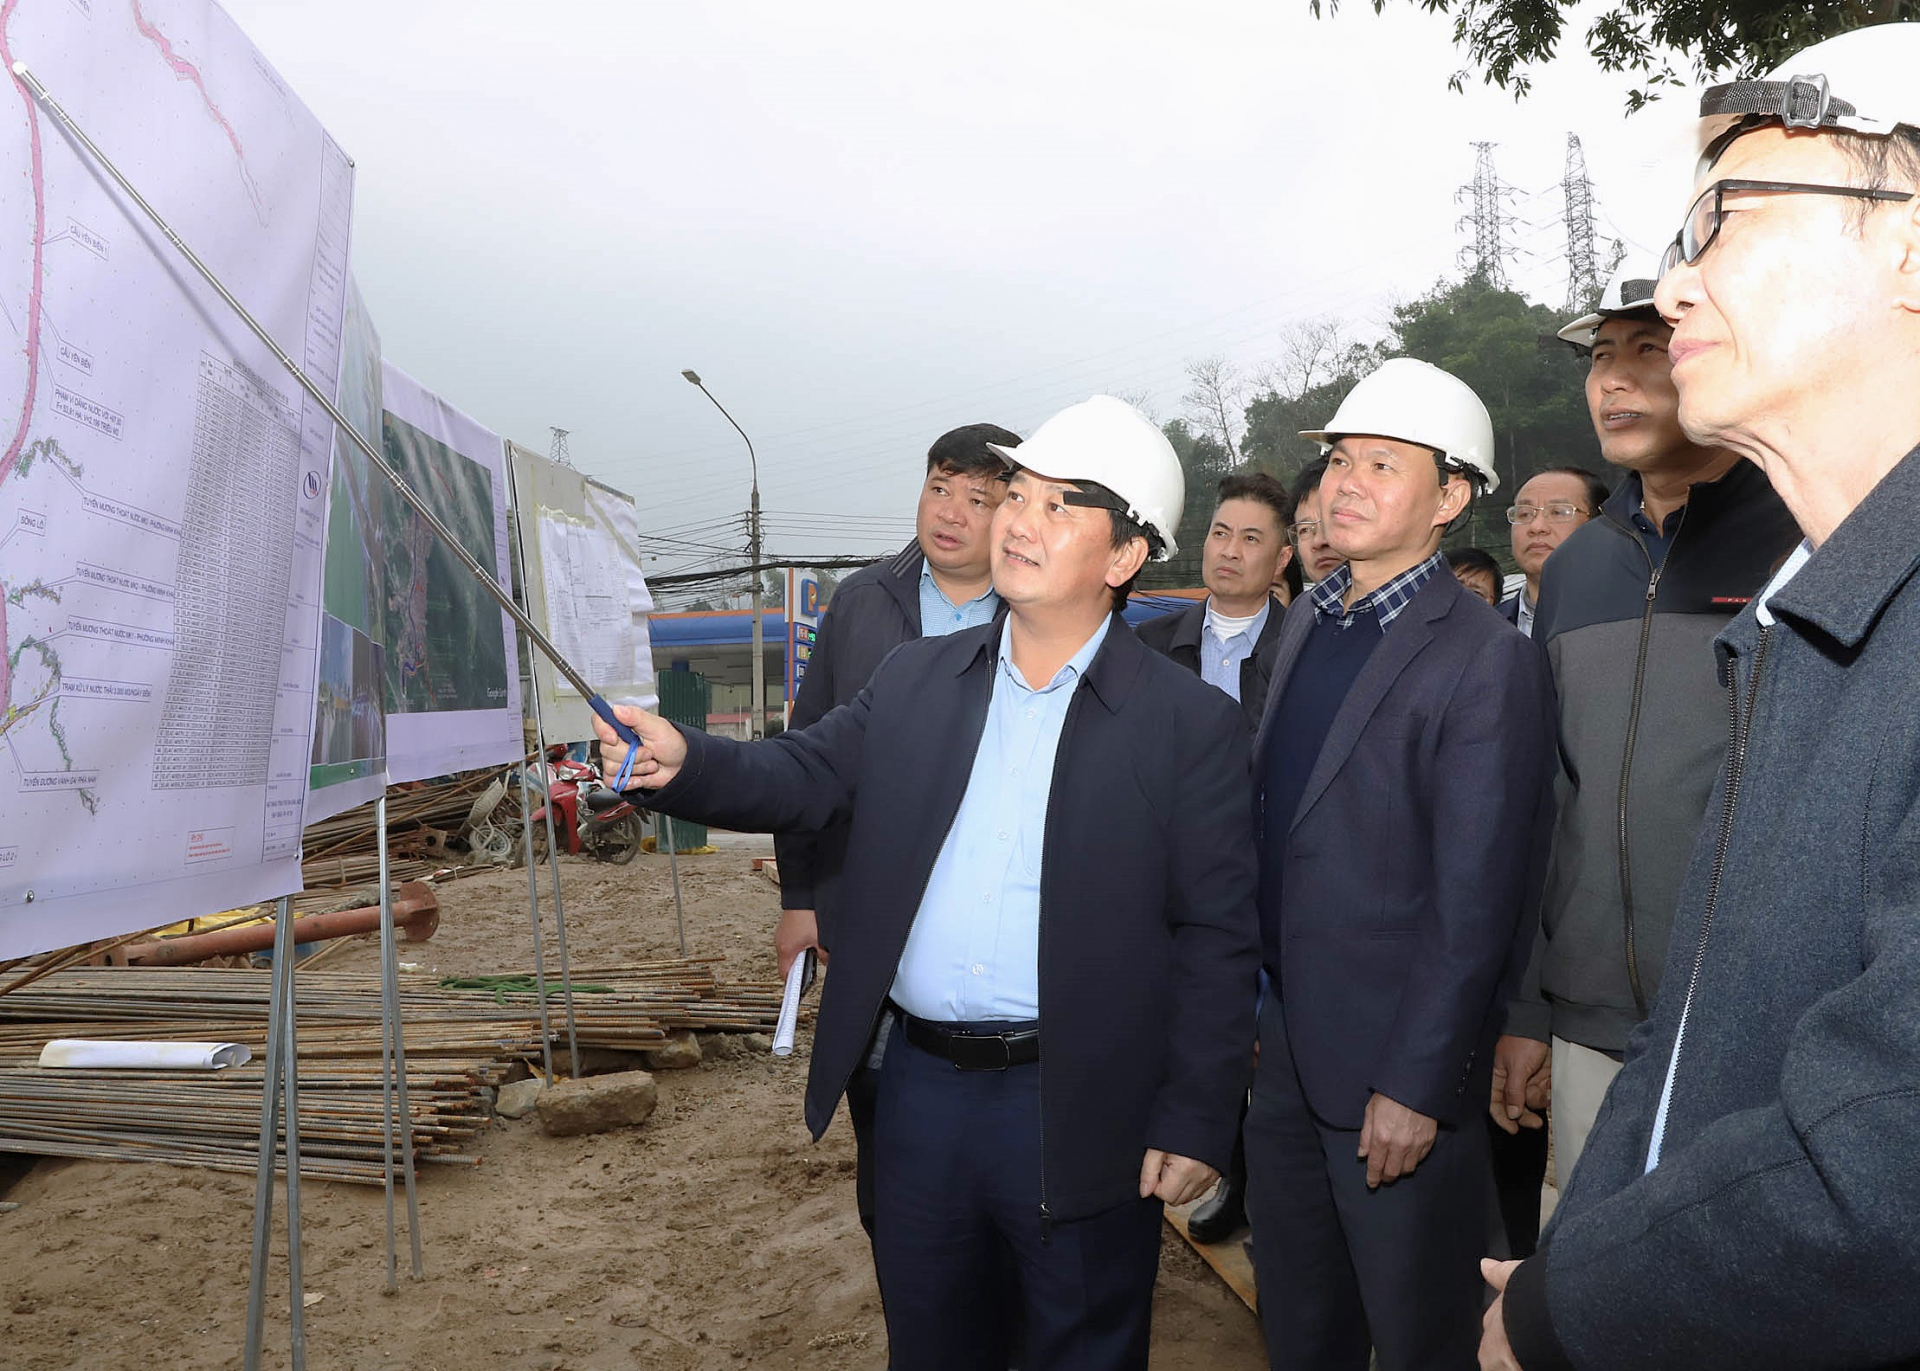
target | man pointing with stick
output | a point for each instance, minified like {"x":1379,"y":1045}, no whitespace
{"x":1048,"y":939}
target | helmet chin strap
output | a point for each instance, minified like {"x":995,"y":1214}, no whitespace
{"x":1804,"y":102}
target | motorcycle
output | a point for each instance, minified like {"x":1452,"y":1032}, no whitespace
{"x":588,"y":815}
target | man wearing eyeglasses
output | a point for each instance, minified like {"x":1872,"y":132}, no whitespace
{"x":1749,"y":1195}
{"x":1312,"y":553}
{"x":1547,"y":508}
{"x":1628,"y":605}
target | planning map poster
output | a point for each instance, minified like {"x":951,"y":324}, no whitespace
{"x":452,"y":693}
{"x":580,"y":563}
{"x":349,"y":762}
{"x":163,"y":482}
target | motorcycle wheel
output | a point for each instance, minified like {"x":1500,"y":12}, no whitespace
{"x":539,"y":842}
{"x":619,"y":842}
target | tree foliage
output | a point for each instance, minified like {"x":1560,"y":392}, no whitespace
{"x":1532,"y":384}
{"x":1205,"y":461}
{"x":1495,"y":341}
{"x":1505,"y":39}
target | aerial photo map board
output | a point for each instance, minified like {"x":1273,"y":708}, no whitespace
{"x":580,"y":562}
{"x":349,"y":762}
{"x":452,"y":693}
{"x":163,"y":482}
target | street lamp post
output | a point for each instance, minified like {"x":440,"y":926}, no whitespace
{"x":756,"y":717}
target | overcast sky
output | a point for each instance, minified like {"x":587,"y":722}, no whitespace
{"x":864,"y":223}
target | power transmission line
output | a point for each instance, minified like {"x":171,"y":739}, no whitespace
{"x":1490,"y":217}
{"x":557,"y":452}
{"x":1583,"y":268}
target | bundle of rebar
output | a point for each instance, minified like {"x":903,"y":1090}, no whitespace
{"x":461,"y":1038}
{"x":213,"y":1120}
{"x":422,"y":820}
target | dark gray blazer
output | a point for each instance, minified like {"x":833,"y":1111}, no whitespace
{"x":1404,"y":895}
{"x":1782,"y":1225}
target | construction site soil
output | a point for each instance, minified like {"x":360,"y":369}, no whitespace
{"x":717,"y":1234}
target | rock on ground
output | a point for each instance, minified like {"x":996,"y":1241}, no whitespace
{"x":679,"y":1052}
{"x":598,"y":1104}
{"x":727,"y":1047}
{"x":517,"y":1099}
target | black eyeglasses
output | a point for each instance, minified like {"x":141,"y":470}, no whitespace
{"x":1708,"y":211}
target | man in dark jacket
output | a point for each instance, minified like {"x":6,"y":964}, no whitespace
{"x":939,"y":583}
{"x":1229,"y":638}
{"x":1628,"y":608}
{"x":1046,"y":926}
{"x":1392,"y":915}
{"x":1749,"y":1195}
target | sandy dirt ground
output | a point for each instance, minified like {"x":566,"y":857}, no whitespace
{"x":718,"y":1234}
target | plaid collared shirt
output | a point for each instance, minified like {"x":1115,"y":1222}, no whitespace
{"x":1385,"y":603}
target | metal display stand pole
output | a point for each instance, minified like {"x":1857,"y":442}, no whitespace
{"x":533,"y":903}
{"x":673,"y":865}
{"x":559,"y":909}
{"x":394,"y":1067}
{"x":279,"y":1067}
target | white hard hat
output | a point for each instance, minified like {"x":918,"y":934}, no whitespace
{"x":1629,"y":292}
{"x":1416,"y":402}
{"x":1107,"y":440}
{"x":1861,"y":82}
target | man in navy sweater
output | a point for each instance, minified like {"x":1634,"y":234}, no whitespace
{"x":1392,"y":922}
{"x":1046,"y":934}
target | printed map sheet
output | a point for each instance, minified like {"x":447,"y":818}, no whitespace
{"x":453,"y":697}
{"x":162,"y":480}
{"x":581,"y":567}
{"x":349,"y":762}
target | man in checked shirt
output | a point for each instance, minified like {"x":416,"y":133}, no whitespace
{"x":1393,"y":924}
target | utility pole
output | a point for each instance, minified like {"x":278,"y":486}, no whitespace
{"x":557,"y":451}
{"x":756,"y":717}
{"x":1487,"y":257}
{"x":1583,"y":267}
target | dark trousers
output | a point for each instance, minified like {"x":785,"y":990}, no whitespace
{"x":1343,"y":1268}
{"x":1519,"y":1172}
{"x":860,"y":1095}
{"x":957,"y":1188}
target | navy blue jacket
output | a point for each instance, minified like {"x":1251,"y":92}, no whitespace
{"x":872,"y":612}
{"x":1148,"y":939}
{"x":1414,"y":862}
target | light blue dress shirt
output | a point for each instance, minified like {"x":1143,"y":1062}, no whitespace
{"x":940,"y":616}
{"x":974,"y":950}
{"x":1220,"y":662}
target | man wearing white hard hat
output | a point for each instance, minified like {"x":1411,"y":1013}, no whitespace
{"x":1403,"y":773}
{"x":1046,"y":941}
{"x":1628,"y":609}
{"x":1749,"y":1195}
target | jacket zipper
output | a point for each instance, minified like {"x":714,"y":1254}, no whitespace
{"x":1626,"y":765}
{"x":1040,"y":1065}
{"x":1739,"y":729}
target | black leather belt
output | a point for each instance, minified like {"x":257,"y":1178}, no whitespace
{"x":973,"y":1051}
